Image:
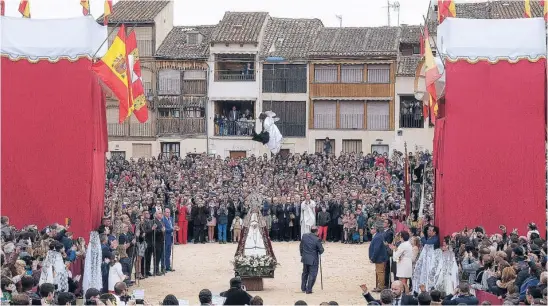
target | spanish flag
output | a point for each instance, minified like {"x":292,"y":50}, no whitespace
{"x":527,"y":9}
{"x":451,"y":8}
{"x":85,"y":7}
{"x":113,"y":70}
{"x":544,"y":5}
{"x":432,"y":74}
{"x":137,"y":91}
{"x":2,"y":7}
{"x":108,"y":11}
{"x":24,"y":8}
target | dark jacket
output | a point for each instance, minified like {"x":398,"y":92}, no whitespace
{"x":404,"y":299}
{"x":236,"y":296}
{"x":323,"y":218}
{"x":199,"y":215}
{"x":461,"y":299}
{"x":377,"y":249}
{"x":311,"y":248}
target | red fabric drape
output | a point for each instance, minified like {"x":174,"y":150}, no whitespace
{"x":491,"y":157}
{"x":53,"y":144}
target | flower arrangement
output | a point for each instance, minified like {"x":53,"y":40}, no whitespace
{"x":255,"y":266}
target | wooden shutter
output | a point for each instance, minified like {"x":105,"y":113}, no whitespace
{"x":352,"y":145}
{"x":142,"y":150}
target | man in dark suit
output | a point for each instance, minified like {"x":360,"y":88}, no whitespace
{"x":311,"y":248}
{"x":398,"y":293}
{"x":236,"y":295}
{"x":462,"y":296}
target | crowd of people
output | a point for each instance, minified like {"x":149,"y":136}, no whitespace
{"x":353,"y":198}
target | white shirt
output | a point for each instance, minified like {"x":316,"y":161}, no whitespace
{"x":115,"y":275}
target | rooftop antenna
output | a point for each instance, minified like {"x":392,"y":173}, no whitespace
{"x":393,"y":5}
{"x":340,"y":20}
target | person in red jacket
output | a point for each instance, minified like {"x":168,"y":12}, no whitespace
{"x":182,"y":234}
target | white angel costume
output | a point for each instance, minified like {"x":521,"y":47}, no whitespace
{"x":254,"y":243}
{"x":54,"y":271}
{"x":92,"y":268}
{"x":308,"y":216}
{"x":436,"y":269}
{"x":275,"y":140}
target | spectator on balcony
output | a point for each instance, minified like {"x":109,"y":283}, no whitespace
{"x":233,"y":117}
{"x":248,"y":72}
{"x":327,"y":146}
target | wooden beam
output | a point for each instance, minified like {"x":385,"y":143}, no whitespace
{"x":364,"y":115}
{"x":310,"y":114}
{"x":338,"y":115}
{"x":338,"y":73}
{"x":391,"y":103}
{"x":365,"y":73}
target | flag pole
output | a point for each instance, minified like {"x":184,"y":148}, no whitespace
{"x":110,"y":33}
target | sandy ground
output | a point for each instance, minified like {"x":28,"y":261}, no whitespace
{"x":200,"y":266}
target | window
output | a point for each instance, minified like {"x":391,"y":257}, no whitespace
{"x":118,"y":154}
{"x":194,"y":82}
{"x":325,"y":114}
{"x":380,"y":149}
{"x":321,"y":146}
{"x":146,"y":75}
{"x":144,"y":40}
{"x":234,"y":118}
{"x":325,"y":73}
{"x":351,"y":114}
{"x":379,"y":74}
{"x":170,"y":149}
{"x":193,"y":38}
{"x":238,"y":154}
{"x":416,"y":49}
{"x":194,"y":112}
{"x":292,"y":116}
{"x":410,"y":112}
{"x":169,"y":82}
{"x":142,"y":150}
{"x":351,"y":146}
{"x":378,"y":116}
{"x":235,"y":67}
{"x":351,"y":73}
{"x":284,"y":78}
{"x":169,"y":113}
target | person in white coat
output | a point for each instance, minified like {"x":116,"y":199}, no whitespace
{"x":403,"y":256}
{"x":308,"y":215}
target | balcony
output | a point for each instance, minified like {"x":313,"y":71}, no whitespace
{"x":414,"y":121}
{"x":181,"y":126}
{"x":235,"y":75}
{"x":225,"y":127}
{"x":131,"y":129}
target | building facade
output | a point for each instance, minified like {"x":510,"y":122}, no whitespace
{"x":207,"y":84}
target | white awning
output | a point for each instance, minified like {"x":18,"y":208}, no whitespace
{"x":52,"y":39}
{"x":492,"y":39}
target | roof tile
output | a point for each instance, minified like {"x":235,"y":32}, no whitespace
{"x":175,"y":45}
{"x":407,"y":65}
{"x":290,"y":38}
{"x":410,"y":34}
{"x":239,"y":27}
{"x":135,"y":11}
{"x":356,"y":42}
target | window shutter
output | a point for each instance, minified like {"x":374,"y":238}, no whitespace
{"x":325,"y":73}
{"x":194,"y":75}
{"x":351,"y":114}
{"x":352,"y":146}
{"x":378,"y":74}
{"x":169,"y":82}
{"x":351,"y":73}
{"x":142,"y":150}
{"x":325,"y":113}
{"x":378,"y":116}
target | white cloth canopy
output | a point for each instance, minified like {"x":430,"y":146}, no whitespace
{"x":52,"y":39}
{"x":492,"y":39}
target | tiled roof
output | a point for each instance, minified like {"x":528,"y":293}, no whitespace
{"x":410,"y":34}
{"x":356,"y":42}
{"x":407,"y":65}
{"x":290,"y":38}
{"x":513,"y":9}
{"x":175,"y":44}
{"x":135,"y":11}
{"x":239,"y":27}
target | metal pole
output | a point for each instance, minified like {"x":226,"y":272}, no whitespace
{"x":321,"y":274}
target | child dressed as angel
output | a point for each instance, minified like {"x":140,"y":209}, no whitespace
{"x":270,"y":135}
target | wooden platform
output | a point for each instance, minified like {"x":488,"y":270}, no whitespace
{"x":253,"y":283}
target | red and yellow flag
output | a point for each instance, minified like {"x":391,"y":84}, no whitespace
{"x":108,"y":11}
{"x":446,"y":8}
{"x":85,"y":7}
{"x":113,"y":70}
{"x":2,"y":7}
{"x":527,"y":9}
{"x":137,"y":91}
{"x":432,"y":74}
{"x":544,"y":5}
{"x":24,"y":8}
